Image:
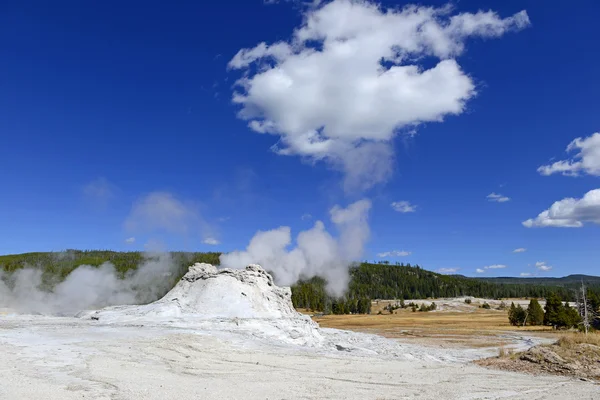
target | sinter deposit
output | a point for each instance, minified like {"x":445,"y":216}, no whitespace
{"x":223,"y":299}
{"x":243,"y":304}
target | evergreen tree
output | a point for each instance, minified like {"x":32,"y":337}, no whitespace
{"x":568,"y":317}
{"x":516,"y":315}
{"x":535,"y":313}
{"x":512,"y":314}
{"x":554,"y":309}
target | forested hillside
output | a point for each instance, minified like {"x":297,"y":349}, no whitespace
{"x":384,"y":281}
{"x":57,"y":265}
{"x":368,"y":281}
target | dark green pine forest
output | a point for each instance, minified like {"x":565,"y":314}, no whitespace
{"x":368,"y":280}
{"x":385,"y":281}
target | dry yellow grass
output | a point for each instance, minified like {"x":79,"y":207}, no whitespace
{"x":571,"y":339}
{"x":478,"y":328}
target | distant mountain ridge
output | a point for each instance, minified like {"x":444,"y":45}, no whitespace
{"x":569,"y":280}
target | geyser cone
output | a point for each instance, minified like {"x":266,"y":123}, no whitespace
{"x":237,"y":301}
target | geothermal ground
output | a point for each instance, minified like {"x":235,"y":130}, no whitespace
{"x":232,"y":334}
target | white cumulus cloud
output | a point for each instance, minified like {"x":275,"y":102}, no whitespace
{"x":130,"y":240}
{"x":394,"y":253}
{"x":403,"y":206}
{"x":520,"y":250}
{"x":569,"y":212}
{"x":352,"y":75}
{"x":497,"y":198}
{"x":480,"y":271}
{"x":586,"y":158}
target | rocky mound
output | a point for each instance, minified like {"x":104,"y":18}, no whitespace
{"x":581,"y":360}
{"x":209,"y":299}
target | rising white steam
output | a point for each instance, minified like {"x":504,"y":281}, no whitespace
{"x":87,"y":287}
{"x":317,"y":252}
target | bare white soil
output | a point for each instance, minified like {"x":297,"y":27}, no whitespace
{"x":232,"y":334}
{"x":457,"y":304}
{"x":66,"y":358}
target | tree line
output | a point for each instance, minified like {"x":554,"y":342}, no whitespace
{"x":384,"y":281}
{"x":369,"y":281}
{"x":558,"y":314}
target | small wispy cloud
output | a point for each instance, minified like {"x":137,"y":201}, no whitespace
{"x":525,"y":274}
{"x":542,"y":266}
{"x":99,"y":192}
{"x":448,"y":270}
{"x":394,"y":253}
{"x":520,"y":250}
{"x":495,"y":266}
{"x":306,"y":217}
{"x":130,"y":240}
{"x":403,"y":206}
{"x":163,"y":213}
{"x":497,"y":198}
{"x":211,"y":241}
{"x":488,"y":267}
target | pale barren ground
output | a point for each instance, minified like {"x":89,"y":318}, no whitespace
{"x":62,"y":359}
{"x":67,"y":358}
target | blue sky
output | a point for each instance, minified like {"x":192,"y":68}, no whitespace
{"x":117,"y":122}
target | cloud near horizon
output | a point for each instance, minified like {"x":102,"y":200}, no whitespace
{"x":448,"y":270}
{"x":488,"y":267}
{"x":350,"y":79}
{"x":569,"y":212}
{"x":542,"y":266}
{"x":211,"y":241}
{"x":394,"y":253}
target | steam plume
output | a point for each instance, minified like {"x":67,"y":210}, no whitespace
{"x":317,"y":253}
{"x":87,"y":287}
